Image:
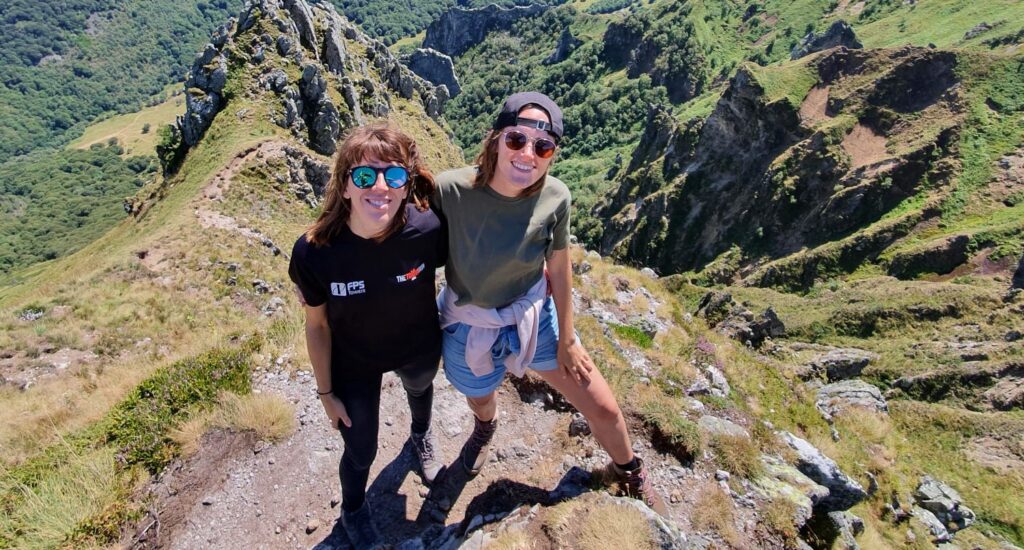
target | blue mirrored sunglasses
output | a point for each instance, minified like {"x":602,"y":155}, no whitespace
{"x":364,"y":177}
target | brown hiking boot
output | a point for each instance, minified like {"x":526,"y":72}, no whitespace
{"x":637,"y":484}
{"x":477,"y":448}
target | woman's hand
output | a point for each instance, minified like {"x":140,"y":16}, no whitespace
{"x":574,"y":360}
{"x":335,"y":410}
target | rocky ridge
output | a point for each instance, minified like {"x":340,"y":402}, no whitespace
{"x":336,"y":89}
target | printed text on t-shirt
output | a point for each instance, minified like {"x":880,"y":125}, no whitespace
{"x":348,"y":289}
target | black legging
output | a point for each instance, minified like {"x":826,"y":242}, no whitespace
{"x":362,"y":402}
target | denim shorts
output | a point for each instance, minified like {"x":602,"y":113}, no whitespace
{"x":453,"y":349}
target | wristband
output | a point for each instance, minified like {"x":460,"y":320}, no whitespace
{"x":328,"y":392}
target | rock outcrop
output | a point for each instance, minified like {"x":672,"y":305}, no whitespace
{"x":309,"y":107}
{"x":843,"y":491}
{"x":567,"y":43}
{"x":459,"y":29}
{"x":941,"y":509}
{"x":938,"y":257}
{"x":837,"y":364}
{"x":835,"y":398}
{"x":434,"y":67}
{"x":839,"y":34}
{"x":738,"y":322}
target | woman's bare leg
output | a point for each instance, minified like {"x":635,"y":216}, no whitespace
{"x":597,"y":403}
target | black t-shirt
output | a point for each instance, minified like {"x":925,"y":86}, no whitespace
{"x":380,"y":297}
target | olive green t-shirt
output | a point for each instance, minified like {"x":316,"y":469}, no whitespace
{"x":497,"y":245}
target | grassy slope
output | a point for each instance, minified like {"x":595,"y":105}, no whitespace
{"x":127,"y":128}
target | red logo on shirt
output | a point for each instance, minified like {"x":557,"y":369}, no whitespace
{"x":412,"y":274}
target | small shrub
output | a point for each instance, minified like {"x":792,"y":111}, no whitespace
{"x":139,"y":425}
{"x":270,"y":416}
{"x":633,"y":334}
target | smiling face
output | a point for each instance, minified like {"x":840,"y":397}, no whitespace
{"x":373,"y":208}
{"x":517,"y":170}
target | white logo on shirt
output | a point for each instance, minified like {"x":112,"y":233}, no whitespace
{"x":348,"y":289}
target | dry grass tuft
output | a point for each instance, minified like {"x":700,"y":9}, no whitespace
{"x":587,"y":526}
{"x":512,"y":540}
{"x":188,"y":435}
{"x":714,"y":512}
{"x":779,"y":516}
{"x":51,"y":510}
{"x":270,"y":416}
{"x":738,"y":455}
{"x":612,"y":526}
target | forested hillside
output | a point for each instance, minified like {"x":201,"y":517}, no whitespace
{"x":64,"y":66}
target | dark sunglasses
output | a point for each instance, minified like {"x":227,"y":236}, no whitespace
{"x":542,"y":147}
{"x":364,"y":177}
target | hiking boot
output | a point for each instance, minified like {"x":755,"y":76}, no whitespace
{"x":637,"y":484}
{"x":477,"y":448}
{"x":359,"y":526}
{"x":425,"y":445}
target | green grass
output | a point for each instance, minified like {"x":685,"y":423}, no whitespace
{"x":789,"y":81}
{"x":633,"y":335}
{"x":918,"y":24}
{"x":127,"y":128}
{"x":63,"y":493}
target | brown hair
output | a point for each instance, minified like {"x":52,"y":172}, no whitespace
{"x":384,"y":143}
{"x":487,"y":161}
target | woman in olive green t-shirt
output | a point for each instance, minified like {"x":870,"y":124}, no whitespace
{"x":508,"y":221}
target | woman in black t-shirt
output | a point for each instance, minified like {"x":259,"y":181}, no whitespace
{"x":365,"y":270}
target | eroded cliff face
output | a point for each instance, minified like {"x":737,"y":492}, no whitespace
{"x":772,"y":175}
{"x":460,"y":29}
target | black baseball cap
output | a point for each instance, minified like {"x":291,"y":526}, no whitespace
{"x":509,"y":114}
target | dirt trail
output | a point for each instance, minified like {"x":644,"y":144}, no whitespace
{"x":219,"y":184}
{"x":235,"y":493}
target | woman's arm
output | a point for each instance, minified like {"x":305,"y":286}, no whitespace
{"x":318,"y":344}
{"x":573,"y":358}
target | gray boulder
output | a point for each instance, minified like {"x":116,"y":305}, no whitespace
{"x":715,"y":426}
{"x":285,"y":45}
{"x":738,"y":322}
{"x":458,"y":29}
{"x":325,"y":127}
{"x":435,"y":67}
{"x":837,"y":364}
{"x":978,"y":30}
{"x":335,"y":52}
{"x":843,"y":491}
{"x":276,"y":81}
{"x":837,"y":397}
{"x":945,"y":503}
{"x":303,"y":20}
{"x":785,"y":481}
{"x":839,"y":34}
{"x":845,"y":527}
{"x":935,"y":527}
